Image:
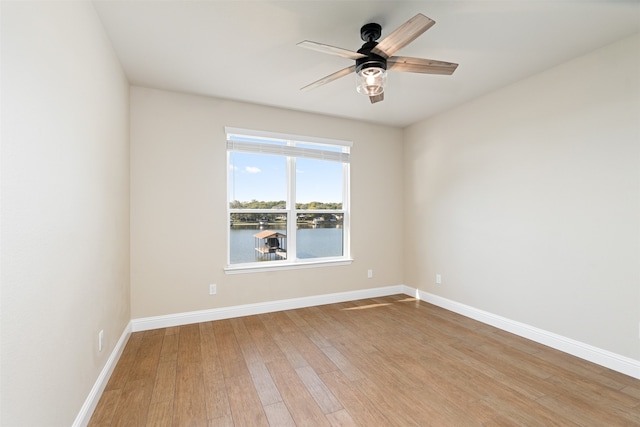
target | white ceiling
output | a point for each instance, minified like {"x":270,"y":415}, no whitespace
{"x":246,"y":50}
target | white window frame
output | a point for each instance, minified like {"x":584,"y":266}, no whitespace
{"x":291,"y":153}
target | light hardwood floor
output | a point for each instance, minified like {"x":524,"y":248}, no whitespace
{"x":390,"y":361}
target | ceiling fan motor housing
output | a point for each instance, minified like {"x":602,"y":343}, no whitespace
{"x":370,"y":32}
{"x":371,"y":59}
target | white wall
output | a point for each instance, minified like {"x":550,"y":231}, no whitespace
{"x":178,"y":204}
{"x":65,"y":208}
{"x":527,"y":201}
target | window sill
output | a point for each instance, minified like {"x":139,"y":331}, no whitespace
{"x":253,"y":268}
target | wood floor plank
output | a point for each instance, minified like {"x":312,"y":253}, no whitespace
{"x":266,"y":388}
{"x":140,"y":381}
{"x":106,"y":408}
{"x":120,"y":374}
{"x":397,"y":405}
{"x":278,"y":415}
{"x":169,"y":349}
{"x":245,"y":404}
{"x":249,"y":350}
{"x":229,"y":352}
{"x":526,"y":362}
{"x":343,"y":363}
{"x":189,"y":344}
{"x":595,"y":391}
{"x":525,"y":412}
{"x":311,"y":353}
{"x":189,"y":404}
{"x":569,"y":411}
{"x":137,"y":396}
{"x":165,"y":382}
{"x":513,"y":341}
{"x":407,"y":390}
{"x":307,"y":329}
{"x":613,"y":378}
{"x":325,"y":324}
{"x":160,"y":414}
{"x":172,"y":330}
{"x":225,"y":421}
{"x":600,"y":406}
{"x":381,"y":361}
{"x":278,"y":322}
{"x":341,"y":418}
{"x":509,"y":376}
{"x":216,"y":396}
{"x":215,"y":392}
{"x":209,"y":346}
{"x":633,"y":391}
{"x":363,"y":411}
{"x":480,"y":410}
{"x":290,"y":351}
{"x":280,"y":328}
{"x":262,"y":339}
{"x":302,"y":407}
{"x":318,"y":390}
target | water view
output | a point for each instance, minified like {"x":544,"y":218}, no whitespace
{"x":313,"y":242}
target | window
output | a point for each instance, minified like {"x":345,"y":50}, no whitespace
{"x":288,"y":200}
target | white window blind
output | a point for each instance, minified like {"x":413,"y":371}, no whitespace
{"x":251,"y":141}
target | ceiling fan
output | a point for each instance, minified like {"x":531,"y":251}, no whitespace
{"x":374,"y":58}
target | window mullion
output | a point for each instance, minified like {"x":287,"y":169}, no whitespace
{"x":291,"y":209}
{"x":346,"y":200}
{"x":230,"y":195}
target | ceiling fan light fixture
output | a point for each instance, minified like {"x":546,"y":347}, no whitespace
{"x":371,"y":81}
{"x":371,"y":73}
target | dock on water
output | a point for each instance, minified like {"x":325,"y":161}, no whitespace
{"x":270,"y":244}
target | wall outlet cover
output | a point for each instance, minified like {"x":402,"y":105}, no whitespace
{"x":101,"y":340}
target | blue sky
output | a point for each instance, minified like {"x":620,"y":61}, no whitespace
{"x":263,"y":177}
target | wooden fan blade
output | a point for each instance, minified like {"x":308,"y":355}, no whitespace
{"x":420,"y":65}
{"x":330,"y":78}
{"x":403,"y":35}
{"x":331,"y":50}
{"x":376,"y":98}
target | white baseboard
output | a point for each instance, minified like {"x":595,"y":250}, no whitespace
{"x":90,"y":403}
{"x":579,"y":349}
{"x":177,"y":319}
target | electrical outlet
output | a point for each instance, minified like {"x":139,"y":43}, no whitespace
{"x":100,"y":340}
{"x":212,"y":289}
{"x":438,"y":279}
{"x":369,"y":274}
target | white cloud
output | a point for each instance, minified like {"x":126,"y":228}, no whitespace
{"x":252,"y":169}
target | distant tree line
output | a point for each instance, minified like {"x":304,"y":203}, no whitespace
{"x":281,"y":204}
{"x":255,"y":204}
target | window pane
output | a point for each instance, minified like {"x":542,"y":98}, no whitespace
{"x":257,"y":181}
{"x":257,"y":237}
{"x":319,"y":235}
{"x":318,"y":184}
